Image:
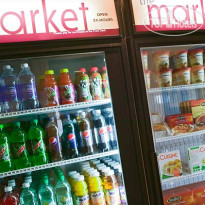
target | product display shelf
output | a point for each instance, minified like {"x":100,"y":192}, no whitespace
{"x":177,"y":88}
{"x":185,"y":179}
{"x":45,"y":110}
{"x":59,"y":163}
{"x":180,"y":136}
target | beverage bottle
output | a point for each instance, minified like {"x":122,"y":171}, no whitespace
{"x":53,"y":141}
{"x":9,"y":90}
{"x":36,"y":136}
{"x":66,"y":88}
{"x":96,"y":84}
{"x":10,"y":198}
{"x":82,"y":86}
{"x":100,"y":130}
{"x":63,"y":192}
{"x":46,"y":193}
{"x":27,"y":88}
{"x":111,"y":188}
{"x":86,"y":134}
{"x":81,"y":191}
{"x":105,"y":84}
{"x":70,"y":173}
{"x":51,"y":92}
{"x":97,"y":196}
{"x":5,"y":161}
{"x":28,"y":196}
{"x":12,"y":183}
{"x":109,"y":119}
{"x":40,"y":90}
{"x":17,"y":140}
{"x":121,"y":186}
{"x":69,"y":141}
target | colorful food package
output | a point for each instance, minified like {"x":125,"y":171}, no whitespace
{"x":144,"y":60}
{"x":196,"y":158}
{"x":180,"y":59}
{"x":181,"y":76}
{"x":156,"y":118}
{"x":159,"y":130}
{"x":147,"y":78}
{"x":170,"y":164}
{"x":195,"y":57}
{"x":178,"y":196}
{"x":181,"y":123}
{"x":166,"y":77}
{"x":161,"y":60}
{"x":198,"y":191}
{"x":197,"y":74}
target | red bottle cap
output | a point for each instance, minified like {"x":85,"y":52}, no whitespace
{"x":93,"y":69}
{"x":83,"y":70}
{"x":104,"y":68}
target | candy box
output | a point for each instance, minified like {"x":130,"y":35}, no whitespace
{"x":196,"y":158}
{"x":170,"y":164}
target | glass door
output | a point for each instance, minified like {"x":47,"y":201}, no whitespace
{"x":58,"y":138}
{"x":174,"y":77}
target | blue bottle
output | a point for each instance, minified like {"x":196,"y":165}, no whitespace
{"x":9,"y":90}
{"x":27,"y":88}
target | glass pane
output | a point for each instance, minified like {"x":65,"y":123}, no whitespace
{"x":57,"y":117}
{"x":174,"y":77}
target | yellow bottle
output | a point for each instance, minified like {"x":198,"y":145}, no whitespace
{"x":97,"y":196}
{"x":81,"y":191}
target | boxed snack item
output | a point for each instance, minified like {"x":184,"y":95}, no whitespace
{"x":159,"y":130}
{"x":198,"y":191}
{"x":196,"y":158}
{"x":170,"y":164}
{"x":181,"y":123}
{"x":178,"y":196}
{"x":156,"y":118}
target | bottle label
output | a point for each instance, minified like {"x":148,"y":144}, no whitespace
{"x":28,"y":91}
{"x":18,"y":150}
{"x":54,"y":145}
{"x":106,"y":89}
{"x":96,"y":87}
{"x":84,"y":90}
{"x":38,"y":147}
{"x":87,"y":137}
{"x":4,"y":152}
{"x":45,"y":202}
{"x":102,"y":134}
{"x":110,"y":132}
{"x":112,"y":196}
{"x":67,"y":94}
{"x":72,"y":139}
{"x":9,"y":93}
{"x":65,"y":200}
{"x":123,"y":195}
{"x":82,"y":200}
{"x":51,"y":96}
{"x":98,"y":198}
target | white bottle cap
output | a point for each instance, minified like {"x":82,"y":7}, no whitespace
{"x":107,"y":160}
{"x":109,"y":163}
{"x":82,"y":114}
{"x":24,"y":65}
{"x":106,"y":169}
{"x":115,"y":166}
{"x":84,"y":167}
{"x":11,"y":182}
{"x":92,"y":171}
{"x":102,"y":167}
{"x":109,"y":173}
{"x":96,"y":112}
{"x":95,"y":174}
{"x":96,"y":162}
{"x":8,"y":188}
{"x":80,"y":178}
{"x":71,"y":173}
{"x":6,"y":67}
{"x":25,"y":185}
{"x":75,"y":176}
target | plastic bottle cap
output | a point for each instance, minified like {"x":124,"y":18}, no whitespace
{"x":96,"y":112}
{"x":52,"y":119}
{"x":25,"y":185}
{"x":82,"y":114}
{"x":74,"y":176}
{"x":83,"y":70}
{"x":94,"y":69}
{"x":92,"y":171}
{"x":105,"y":169}
{"x":115,"y":165}
{"x":104,"y":68}
{"x":1,"y":126}
{"x":120,"y":169}
{"x":100,"y":165}
{"x":64,"y":70}
{"x":107,"y":109}
{"x":35,"y":121}
{"x":80,"y":178}
{"x":71,"y":173}
{"x":6,"y":67}
{"x":109,"y":163}
{"x":95,"y":174}
{"x":102,"y":168}
{"x":24,"y":65}
{"x":8,"y":188}
{"x":96,"y":162}
{"x":109,"y":173}
{"x":11,"y":182}
{"x":62,"y":178}
{"x":49,"y":72}
{"x":17,"y":124}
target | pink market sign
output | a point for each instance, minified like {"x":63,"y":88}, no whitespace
{"x":172,"y":15}
{"x":36,"y":20}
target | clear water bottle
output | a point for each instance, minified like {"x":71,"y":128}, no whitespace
{"x":28,"y":196}
{"x":27,"y":88}
{"x":9,"y":90}
{"x":63,"y":191}
{"x":46,"y":193}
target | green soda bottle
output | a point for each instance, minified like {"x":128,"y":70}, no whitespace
{"x":18,"y":147}
{"x":5,"y":161}
{"x":36,"y":137}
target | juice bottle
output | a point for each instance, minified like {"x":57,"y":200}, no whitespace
{"x":96,"y":84}
{"x":81,"y":191}
{"x":82,"y":86}
{"x":111,"y":188}
{"x":40,"y":90}
{"x":70,"y":173}
{"x":105,"y":84}
{"x":10,"y":198}
{"x":5,"y":162}
{"x":96,"y":189}
{"x":50,"y":89}
{"x":66,"y":88}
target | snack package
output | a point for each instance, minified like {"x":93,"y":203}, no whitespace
{"x":170,"y":164}
{"x":196,"y":158}
{"x":159,"y":130}
{"x":198,"y":191}
{"x":181,"y":123}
